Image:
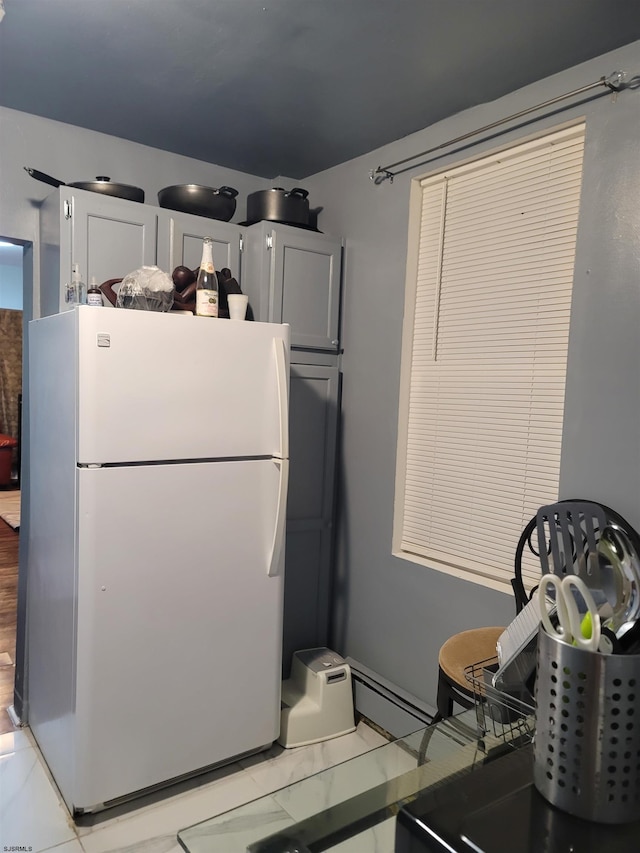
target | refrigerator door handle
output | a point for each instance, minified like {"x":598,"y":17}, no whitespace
{"x":283,"y":399}
{"x":277,"y":545}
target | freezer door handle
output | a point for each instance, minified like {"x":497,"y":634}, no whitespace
{"x":283,"y":397}
{"x":277,"y":546}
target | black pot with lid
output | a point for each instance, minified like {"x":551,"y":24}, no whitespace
{"x":278,"y":205}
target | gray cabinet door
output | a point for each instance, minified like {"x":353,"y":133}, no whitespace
{"x":313,"y":427}
{"x":306,"y":286}
{"x":180,"y":237}
{"x":293,"y":276}
{"x":108,"y":237}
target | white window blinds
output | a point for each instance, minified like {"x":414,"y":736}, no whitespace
{"x":484,"y":356}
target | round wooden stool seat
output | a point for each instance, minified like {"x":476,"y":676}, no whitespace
{"x":464,"y":649}
{"x":456,"y":654}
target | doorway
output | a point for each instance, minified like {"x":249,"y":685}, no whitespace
{"x":15,"y":309}
{"x":11,"y":321}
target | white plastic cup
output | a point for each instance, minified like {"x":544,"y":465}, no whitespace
{"x":237,"y":306}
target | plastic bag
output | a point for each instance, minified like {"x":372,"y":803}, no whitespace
{"x":148,"y":288}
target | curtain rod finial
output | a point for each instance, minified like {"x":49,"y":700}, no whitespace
{"x":614,"y":81}
{"x":379,"y":175}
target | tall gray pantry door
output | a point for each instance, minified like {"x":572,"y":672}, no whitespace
{"x":313,"y":408}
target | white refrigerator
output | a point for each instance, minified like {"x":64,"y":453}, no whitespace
{"x":158,"y":486}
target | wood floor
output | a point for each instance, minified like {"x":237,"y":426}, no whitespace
{"x":8,"y":612}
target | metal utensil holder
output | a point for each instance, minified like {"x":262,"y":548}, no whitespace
{"x":587,"y":741}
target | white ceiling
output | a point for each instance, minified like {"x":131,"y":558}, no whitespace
{"x":287,"y":87}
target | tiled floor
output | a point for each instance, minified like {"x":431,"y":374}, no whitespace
{"x":34,"y":818}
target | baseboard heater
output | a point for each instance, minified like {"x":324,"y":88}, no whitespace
{"x":388,"y":706}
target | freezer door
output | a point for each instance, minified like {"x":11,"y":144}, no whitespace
{"x":155,"y":386}
{"x":179,"y":621}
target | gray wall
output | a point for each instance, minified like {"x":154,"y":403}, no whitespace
{"x":392,"y":614}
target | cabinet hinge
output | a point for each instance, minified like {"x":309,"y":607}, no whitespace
{"x":67,"y":209}
{"x":269,"y":241}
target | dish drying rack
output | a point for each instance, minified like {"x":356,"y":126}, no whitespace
{"x":504,"y":720}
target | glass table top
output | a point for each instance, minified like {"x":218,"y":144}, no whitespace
{"x":351,"y":806}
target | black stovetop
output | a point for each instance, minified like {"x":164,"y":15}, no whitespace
{"x":496,"y":809}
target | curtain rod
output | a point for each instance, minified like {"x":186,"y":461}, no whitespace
{"x":384,"y":173}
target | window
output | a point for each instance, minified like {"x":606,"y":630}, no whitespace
{"x":487,"y":309}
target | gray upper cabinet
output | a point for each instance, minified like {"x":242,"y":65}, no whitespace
{"x":293,"y":276}
{"x":180,"y":237}
{"x":110,"y":237}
